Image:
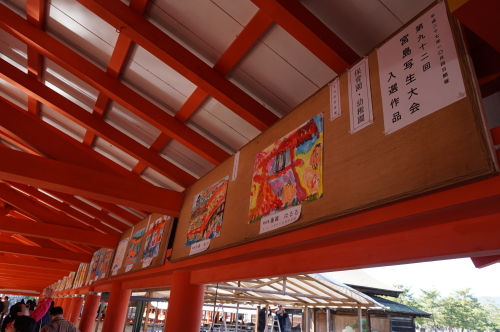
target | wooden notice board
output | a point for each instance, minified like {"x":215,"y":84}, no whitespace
{"x":146,"y":225}
{"x":361,"y":170}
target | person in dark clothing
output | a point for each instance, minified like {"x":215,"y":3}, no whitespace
{"x":262,"y":320}
{"x":13,"y":313}
{"x":45,"y":319}
{"x":281,"y":315}
{"x":22,"y":324}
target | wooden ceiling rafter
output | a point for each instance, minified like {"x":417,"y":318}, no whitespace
{"x":68,"y":210}
{"x":118,"y":59}
{"x":301,"y":24}
{"x":119,"y":92}
{"x":36,"y":15}
{"x":45,"y":252}
{"x":63,"y":267}
{"x":234,"y":53}
{"x":173,"y":54}
{"x":80,"y":116}
{"x":66,"y":178}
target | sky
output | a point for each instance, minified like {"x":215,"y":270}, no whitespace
{"x":446,"y":276}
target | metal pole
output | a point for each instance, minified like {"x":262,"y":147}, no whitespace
{"x":237,"y":313}
{"x":328,"y":317}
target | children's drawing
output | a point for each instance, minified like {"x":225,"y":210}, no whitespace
{"x":104,"y":263}
{"x":289,"y":172}
{"x":120,"y":254}
{"x":153,"y":240}
{"x":133,"y":248}
{"x":70,"y":281}
{"x":93,"y":267}
{"x":81,"y":274}
{"x":207,"y":212}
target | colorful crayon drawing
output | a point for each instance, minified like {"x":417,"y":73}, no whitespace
{"x":120,"y":254}
{"x":289,"y":172}
{"x":104,"y":263}
{"x":93,"y":267}
{"x":153,"y":239}
{"x":134,"y":247}
{"x":70,"y":281}
{"x":80,"y":275}
{"x":207,"y":212}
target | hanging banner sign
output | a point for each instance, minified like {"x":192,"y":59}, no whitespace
{"x":199,"y":247}
{"x":280,"y":219}
{"x":235,"y":165}
{"x":360,"y":96}
{"x":419,"y":70}
{"x":335,"y":110}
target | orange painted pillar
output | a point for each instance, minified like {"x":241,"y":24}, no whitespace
{"x":65,"y":303}
{"x":185,"y":305}
{"x":89,"y":313}
{"x":76,"y":307}
{"x":116,"y":312}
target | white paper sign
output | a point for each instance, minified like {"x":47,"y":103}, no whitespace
{"x":235,"y":165}
{"x":335,"y":110}
{"x":419,"y":70}
{"x":199,"y":247}
{"x":280,"y":219}
{"x":129,"y":267}
{"x":360,"y":96}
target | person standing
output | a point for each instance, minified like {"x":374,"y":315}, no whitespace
{"x":261,"y":323}
{"x":58,"y":323}
{"x":281,"y":315}
{"x":6,"y":305}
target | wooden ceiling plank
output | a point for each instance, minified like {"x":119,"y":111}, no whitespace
{"x":165,"y":48}
{"x":234,"y":53}
{"x":44,"y":252}
{"x":480,"y":262}
{"x":64,"y":208}
{"x":30,"y":269}
{"x":87,"y":120}
{"x":56,"y":232}
{"x":74,"y":180}
{"x":299,"y":22}
{"x":88,"y":72}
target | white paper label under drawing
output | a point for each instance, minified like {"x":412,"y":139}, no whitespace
{"x":147,"y":262}
{"x":199,"y":247}
{"x":280,"y":219}
{"x":360,"y":96}
{"x":419,"y":70}
{"x":129,"y":267}
{"x":335,"y":110}
{"x":235,"y":165}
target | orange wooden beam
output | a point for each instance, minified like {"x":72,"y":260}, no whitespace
{"x":152,"y":282}
{"x":165,"y":48}
{"x":33,"y":132}
{"x":484,"y":261}
{"x":35,"y":10}
{"x":238,"y":48}
{"x":35,"y":210}
{"x":64,"y":208}
{"x":55,"y":175}
{"x":61,"y":233}
{"x":117,"y":61}
{"x":44,"y":252}
{"x":16,"y":262}
{"x":88,"y":72}
{"x":21,"y":270}
{"x":482,"y":17}
{"x":299,"y":22}
{"x":79,"y":115}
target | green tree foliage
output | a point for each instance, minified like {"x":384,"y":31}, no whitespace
{"x":460,"y":310}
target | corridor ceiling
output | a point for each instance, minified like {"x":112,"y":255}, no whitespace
{"x":154,"y":92}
